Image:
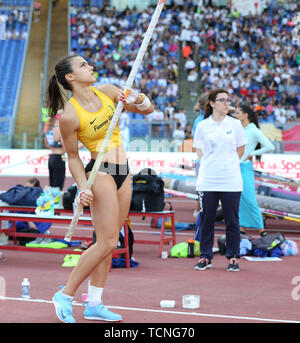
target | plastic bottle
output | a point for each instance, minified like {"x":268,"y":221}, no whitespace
{"x":191,"y":248}
{"x":25,"y":288}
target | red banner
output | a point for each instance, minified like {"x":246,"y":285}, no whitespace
{"x":292,"y":134}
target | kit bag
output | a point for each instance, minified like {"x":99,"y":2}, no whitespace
{"x":147,"y":192}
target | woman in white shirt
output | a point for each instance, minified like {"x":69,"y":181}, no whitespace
{"x":219,"y":142}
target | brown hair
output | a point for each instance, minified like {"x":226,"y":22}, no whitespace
{"x":201,"y":101}
{"x":55,"y":98}
{"x":212,"y":96}
{"x":34,"y":181}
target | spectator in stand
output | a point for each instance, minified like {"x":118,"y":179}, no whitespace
{"x":156,"y":116}
{"x":3,"y":20}
{"x":179,"y":132}
{"x":192,"y":79}
{"x":167,"y":127}
{"x":291,"y":114}
{"x":188,"y":131}
{"x":181,"y":117}
{"x":36,"y":11}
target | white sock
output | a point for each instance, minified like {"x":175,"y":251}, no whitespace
{"x":69,"y":297}
{"x":94,"y":295}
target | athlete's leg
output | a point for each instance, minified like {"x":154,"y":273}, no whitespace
{"x":99,"y":275}
{"x":105,"y":214}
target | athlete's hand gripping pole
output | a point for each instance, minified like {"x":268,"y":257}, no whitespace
{"x":119,"y":109}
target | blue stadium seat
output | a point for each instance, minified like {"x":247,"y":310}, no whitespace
{"x":11,"y":56}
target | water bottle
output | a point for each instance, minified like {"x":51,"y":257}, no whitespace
{"x":191,"y":248}
{"x":25,"y":288}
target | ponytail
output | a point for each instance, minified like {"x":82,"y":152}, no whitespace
{"x":55,"y":100}
{"x":55,"y":97}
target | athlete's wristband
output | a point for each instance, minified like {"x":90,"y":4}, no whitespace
{"x":145,"y":104}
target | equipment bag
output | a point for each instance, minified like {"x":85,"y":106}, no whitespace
{"x":181,"y":249}
{"x":147,"y":192}
{"x":20,"y":195}
{"x":268,"y":242}
{"x":69,"y":197}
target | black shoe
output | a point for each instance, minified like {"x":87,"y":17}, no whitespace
{"x":263,"y":234}
{"x":203,"y":264}
{"x":233,"y":265}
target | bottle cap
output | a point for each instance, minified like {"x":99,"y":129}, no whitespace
{"x":191,"y":241}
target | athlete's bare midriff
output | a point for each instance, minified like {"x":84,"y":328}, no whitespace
{"x":116,"y":155}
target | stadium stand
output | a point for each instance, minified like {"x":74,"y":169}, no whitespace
{"x":13,"y":35}
{"x":253,"y":56}
{"x":109,"y":39}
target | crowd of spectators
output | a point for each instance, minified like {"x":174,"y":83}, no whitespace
{"x":253,"y":56}
{"x":13,"y":24}
{"x":109,"y":40}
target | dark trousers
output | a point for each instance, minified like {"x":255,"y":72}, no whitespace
{"x":57,"y":170}
{"x":208,"y":207}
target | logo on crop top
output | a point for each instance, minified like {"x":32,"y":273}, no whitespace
{"x":92,"y":122}
{"x":98,"y":127}
{"x":228,"y":132}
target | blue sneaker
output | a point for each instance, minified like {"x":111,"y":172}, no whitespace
{"x":100,"y":312}
{"x":63,"y":308}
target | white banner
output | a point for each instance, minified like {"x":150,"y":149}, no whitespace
{"x":22,"y":162}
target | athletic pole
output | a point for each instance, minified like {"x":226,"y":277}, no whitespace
{"x":276,"y":177}
{"x":119,"y":109}
{"x":282,"y":215}
{"x":181,"y":194}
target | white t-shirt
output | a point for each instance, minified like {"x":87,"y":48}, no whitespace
{"x":220,"y":165}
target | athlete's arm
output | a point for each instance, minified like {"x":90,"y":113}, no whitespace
{"x":114,"y":93}
{"x":69,"y":125}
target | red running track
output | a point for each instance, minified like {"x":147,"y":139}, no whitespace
{"x":262,"y":292}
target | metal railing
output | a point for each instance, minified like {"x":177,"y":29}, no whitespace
{"x":45,"y":71}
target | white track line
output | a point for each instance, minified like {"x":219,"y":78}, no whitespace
{"x":168,"y":232}
{"x":165,"y":311}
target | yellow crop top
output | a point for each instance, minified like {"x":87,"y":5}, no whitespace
{"x":93,"y":126}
